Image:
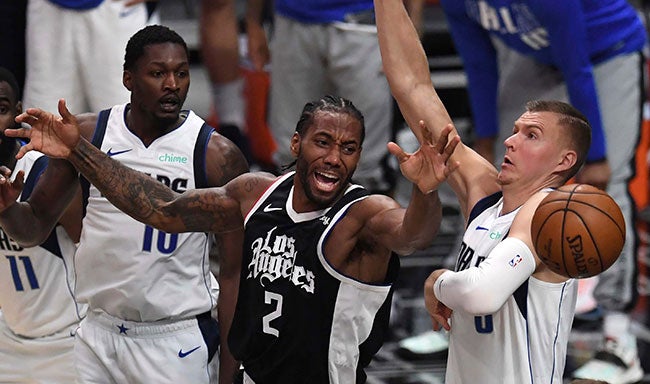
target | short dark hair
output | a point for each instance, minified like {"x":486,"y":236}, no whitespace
{"x":329,"y":103}
{"x":579,"y":132}
{"x":7,"y":76}
{"x":150,"y":35}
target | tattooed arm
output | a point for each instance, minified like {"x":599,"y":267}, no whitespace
{"x":133,"y":192}
{"x":151,"y":202}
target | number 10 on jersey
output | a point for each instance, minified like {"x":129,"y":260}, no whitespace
{"x":166,"y":243}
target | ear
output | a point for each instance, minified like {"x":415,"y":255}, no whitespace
{"x":568,"y":160}
{"x":127,"y":80}
{"x":295,"y":144}
{"x":19,"y":108}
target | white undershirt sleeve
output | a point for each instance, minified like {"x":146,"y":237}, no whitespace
{"x":484,"y":289}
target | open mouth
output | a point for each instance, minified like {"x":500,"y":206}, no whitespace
{"x":169,"y":103}
{"x":326,"y":181}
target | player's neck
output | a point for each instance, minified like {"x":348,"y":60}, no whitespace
{"x":148,"y":127}
{"x":517,"y":193}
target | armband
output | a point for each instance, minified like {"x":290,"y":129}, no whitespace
{"x":484,"y":289}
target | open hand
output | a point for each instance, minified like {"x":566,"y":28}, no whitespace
{"x":429,"y":166}
{"x":52,"y":135}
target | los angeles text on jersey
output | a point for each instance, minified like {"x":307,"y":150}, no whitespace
{"x":274,"y":256}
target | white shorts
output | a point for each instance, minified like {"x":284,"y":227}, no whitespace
{"x":46,"y":359}
{"x":78,"y":55}
{"x":111,"y":350}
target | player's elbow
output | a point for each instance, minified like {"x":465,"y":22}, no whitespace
{"x":29,"y":242}
{"x":402,"y":86}
{"x":166,"y":222}
{"x":417,"y":238}
{"x":29,"y":238}
{"x":417,"y":243}
{"x":32,"y":235}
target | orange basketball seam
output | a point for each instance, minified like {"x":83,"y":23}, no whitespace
{"x":593,"y":241}
{"x":578,"y":231}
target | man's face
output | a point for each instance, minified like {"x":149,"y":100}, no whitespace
{"x":159,"y":81}
{"x":327,"y":156}
{"x":534,"y":149}
{"x":9,"y":109}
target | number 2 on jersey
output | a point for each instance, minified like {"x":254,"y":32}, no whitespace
{"x":269,"y":298}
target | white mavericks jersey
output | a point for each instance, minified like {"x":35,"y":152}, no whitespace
{"x":525,"y":341}
{"x":130,"y":270}
{"x":35,"y":297}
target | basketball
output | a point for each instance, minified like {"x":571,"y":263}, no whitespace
{"x":578,"y":231}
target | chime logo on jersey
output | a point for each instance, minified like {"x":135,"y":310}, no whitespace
{"x":172,"y":158}
{"x":274,"y":257}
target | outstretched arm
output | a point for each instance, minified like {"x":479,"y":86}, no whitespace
{"x":133,"y":192}
{"x":407,"y":71}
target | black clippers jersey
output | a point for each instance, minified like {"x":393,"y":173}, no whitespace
{"x":298,"y":320}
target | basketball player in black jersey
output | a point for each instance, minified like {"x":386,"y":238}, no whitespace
{"x":317,"y":267}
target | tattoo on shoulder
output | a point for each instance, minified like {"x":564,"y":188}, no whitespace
{"x":251,"y":184}
{"x":207,"y":210}
{"x":232,"y":164}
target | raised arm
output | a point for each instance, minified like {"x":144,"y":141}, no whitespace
{"x":407,"y":71}
{"x":133,"y":192}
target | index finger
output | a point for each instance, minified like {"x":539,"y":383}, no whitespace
{"x":31,"y":115}
{"x":18,"y":132}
